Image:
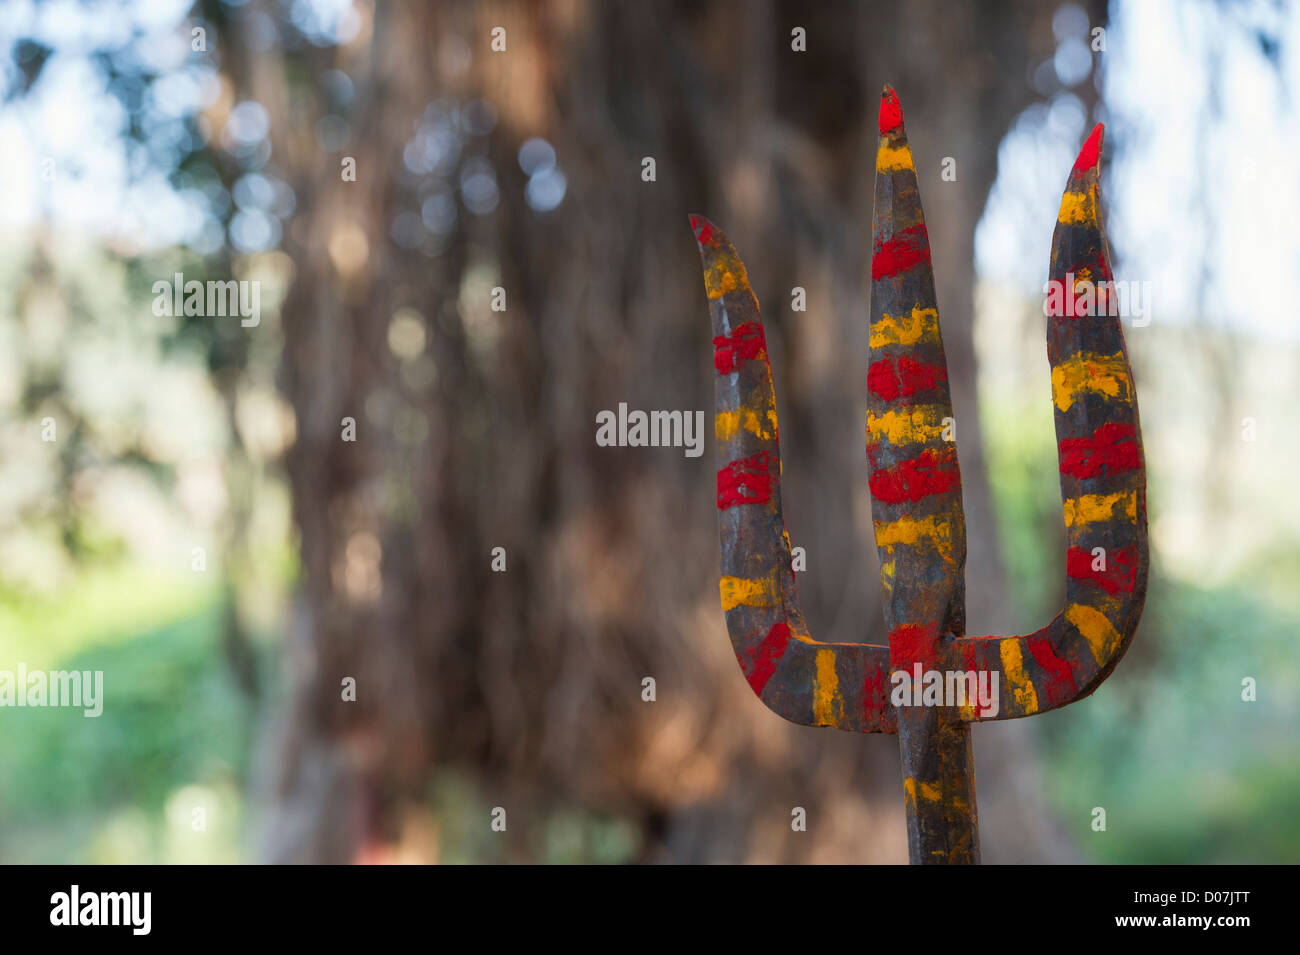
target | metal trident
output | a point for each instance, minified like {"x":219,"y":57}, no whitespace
{"x":916,"y":505}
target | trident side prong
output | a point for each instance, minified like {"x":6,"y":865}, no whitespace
{"x":915,"y":485}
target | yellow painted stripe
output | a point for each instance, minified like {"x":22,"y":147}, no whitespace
{"x":928,"y":791}
{"x":887,"y":577}
{"x":889,"y":158}
{"x":1102,"y":374}
{"x":1079,"y":208}
{"x":757,"y":592}
{"x":922,"y":424}
{"x":1013,"y":667}
{"x":968,"y":711}
{"x":729,"y":423}
{"x":1103,"y":639}
{"x":828,"y":705}
{"x":908,"y":530}
{"x":921,"y":326}
{"x":725,"y":274}
{"x":1090,"y":508}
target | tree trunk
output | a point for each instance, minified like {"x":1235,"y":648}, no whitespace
{"x":529,"y":681}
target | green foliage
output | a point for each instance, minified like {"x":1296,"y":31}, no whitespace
{"x":1187,"y":771}
{"x":555,"y":837}
{"x":172,"y":719}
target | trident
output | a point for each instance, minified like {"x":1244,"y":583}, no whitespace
{"x":916,"y":507}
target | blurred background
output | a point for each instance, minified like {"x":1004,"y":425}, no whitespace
{"x":200,"y":531}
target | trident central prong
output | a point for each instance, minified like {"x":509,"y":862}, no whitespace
{"x":915,"y":486}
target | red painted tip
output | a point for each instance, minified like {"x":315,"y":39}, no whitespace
{"x":1090,"y":154}
{"x":702,"y":228}
{"x":891,"y":111}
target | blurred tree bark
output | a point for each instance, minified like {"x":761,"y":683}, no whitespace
{"x":528,"y":682}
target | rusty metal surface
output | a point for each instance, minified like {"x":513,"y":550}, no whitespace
{"x":915,"y":485}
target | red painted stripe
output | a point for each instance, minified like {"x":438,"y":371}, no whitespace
{"x":876,"y":689}
{"x":882,"y":380}
{"x":900,"y":252}
{"x":930,"y":472}
{"x":887,"y":380}
{"x":744,"y":343}
{"x":1094,"y":263}
{"x":891,"y":111}
{"x":1111,"y":449}
{"x":747,"y":481}
{"x":1072,"y":297}
{"x":920,"y":376}
{"x":760,"y":666}
{"x":968,"y":661}
{"x":1121,"y":568}
{"x":1059,"y":686}
{"x":910,"y":644}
